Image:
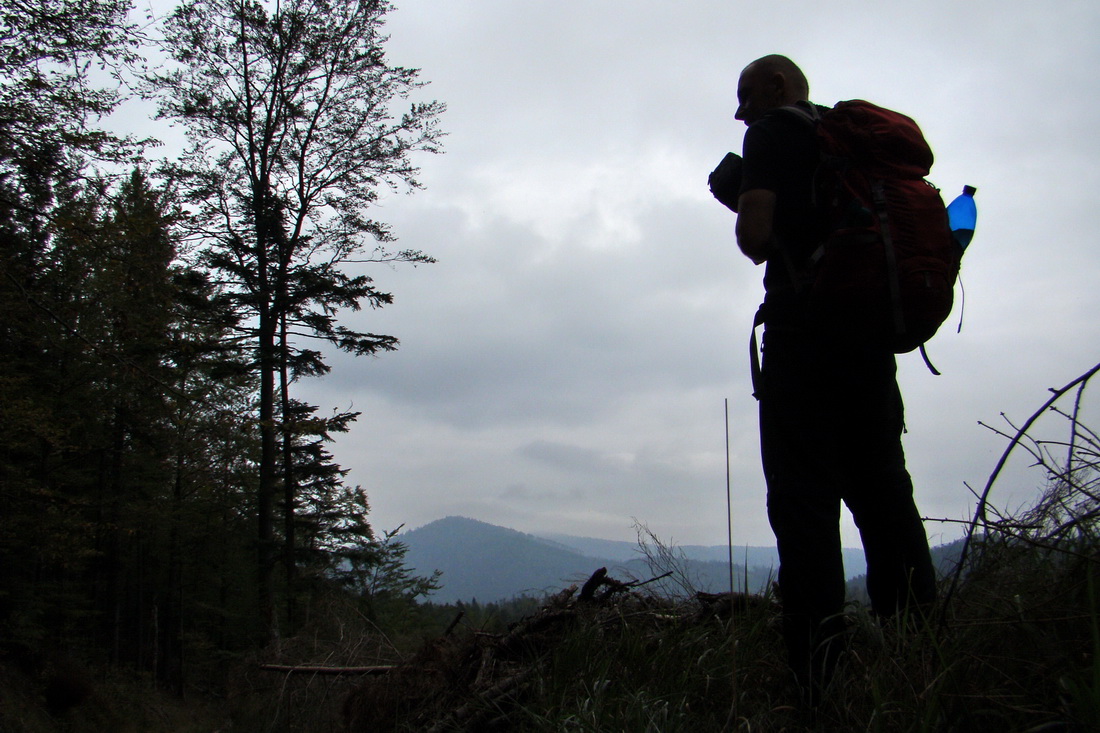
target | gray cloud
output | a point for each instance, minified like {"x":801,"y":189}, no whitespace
{"x":564,"y":365}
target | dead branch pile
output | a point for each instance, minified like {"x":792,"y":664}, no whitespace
{"x":467,"y":682}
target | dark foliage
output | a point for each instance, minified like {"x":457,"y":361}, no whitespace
{"x":139,"y":408}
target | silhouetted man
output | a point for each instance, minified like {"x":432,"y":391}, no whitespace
{"x":830,"y":410}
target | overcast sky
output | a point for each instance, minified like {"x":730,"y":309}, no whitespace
{"x":563,"y":368}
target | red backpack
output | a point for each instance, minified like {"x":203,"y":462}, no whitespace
{"x":887,"y":266}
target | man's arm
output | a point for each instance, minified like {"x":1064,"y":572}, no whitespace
{"x":755,"y":208}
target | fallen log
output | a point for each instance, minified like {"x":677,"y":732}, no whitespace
{"x":310,"y":669}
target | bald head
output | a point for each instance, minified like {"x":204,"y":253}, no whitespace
{"x":769,"y":82}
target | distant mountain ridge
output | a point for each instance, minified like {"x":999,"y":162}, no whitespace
{"x":490,"y":563}
{"x":742,"y":555}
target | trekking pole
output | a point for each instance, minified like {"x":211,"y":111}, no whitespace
{"x":729,"y":543}
{"x":729,"y":499}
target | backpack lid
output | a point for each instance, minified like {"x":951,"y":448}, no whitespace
{"x":882,"y":142}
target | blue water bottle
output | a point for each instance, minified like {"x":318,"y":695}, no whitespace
{"x":962,"y":215}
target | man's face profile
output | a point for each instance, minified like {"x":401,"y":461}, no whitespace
{"x":753,"y":95}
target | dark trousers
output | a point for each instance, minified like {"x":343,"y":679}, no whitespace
{"x":831,"y":420}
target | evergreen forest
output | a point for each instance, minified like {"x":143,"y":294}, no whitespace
{"x":169,"y":501}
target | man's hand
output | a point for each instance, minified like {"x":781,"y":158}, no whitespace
{"x":756,"y":209}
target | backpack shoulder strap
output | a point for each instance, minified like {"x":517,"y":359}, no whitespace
{"x":809,"y":112}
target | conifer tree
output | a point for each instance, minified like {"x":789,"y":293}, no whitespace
{"x":49,"y":207}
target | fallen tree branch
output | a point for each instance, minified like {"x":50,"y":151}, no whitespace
{"x":980,"y":517}
{"x":640,"y":583}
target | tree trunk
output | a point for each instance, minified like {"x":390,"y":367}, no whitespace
{"x":289,"y":483}
{"x":265,"y":497}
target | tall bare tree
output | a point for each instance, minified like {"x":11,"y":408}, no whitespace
{"x":297,"y":125}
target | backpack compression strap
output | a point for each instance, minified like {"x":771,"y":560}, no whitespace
{"x":878,"y":190}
